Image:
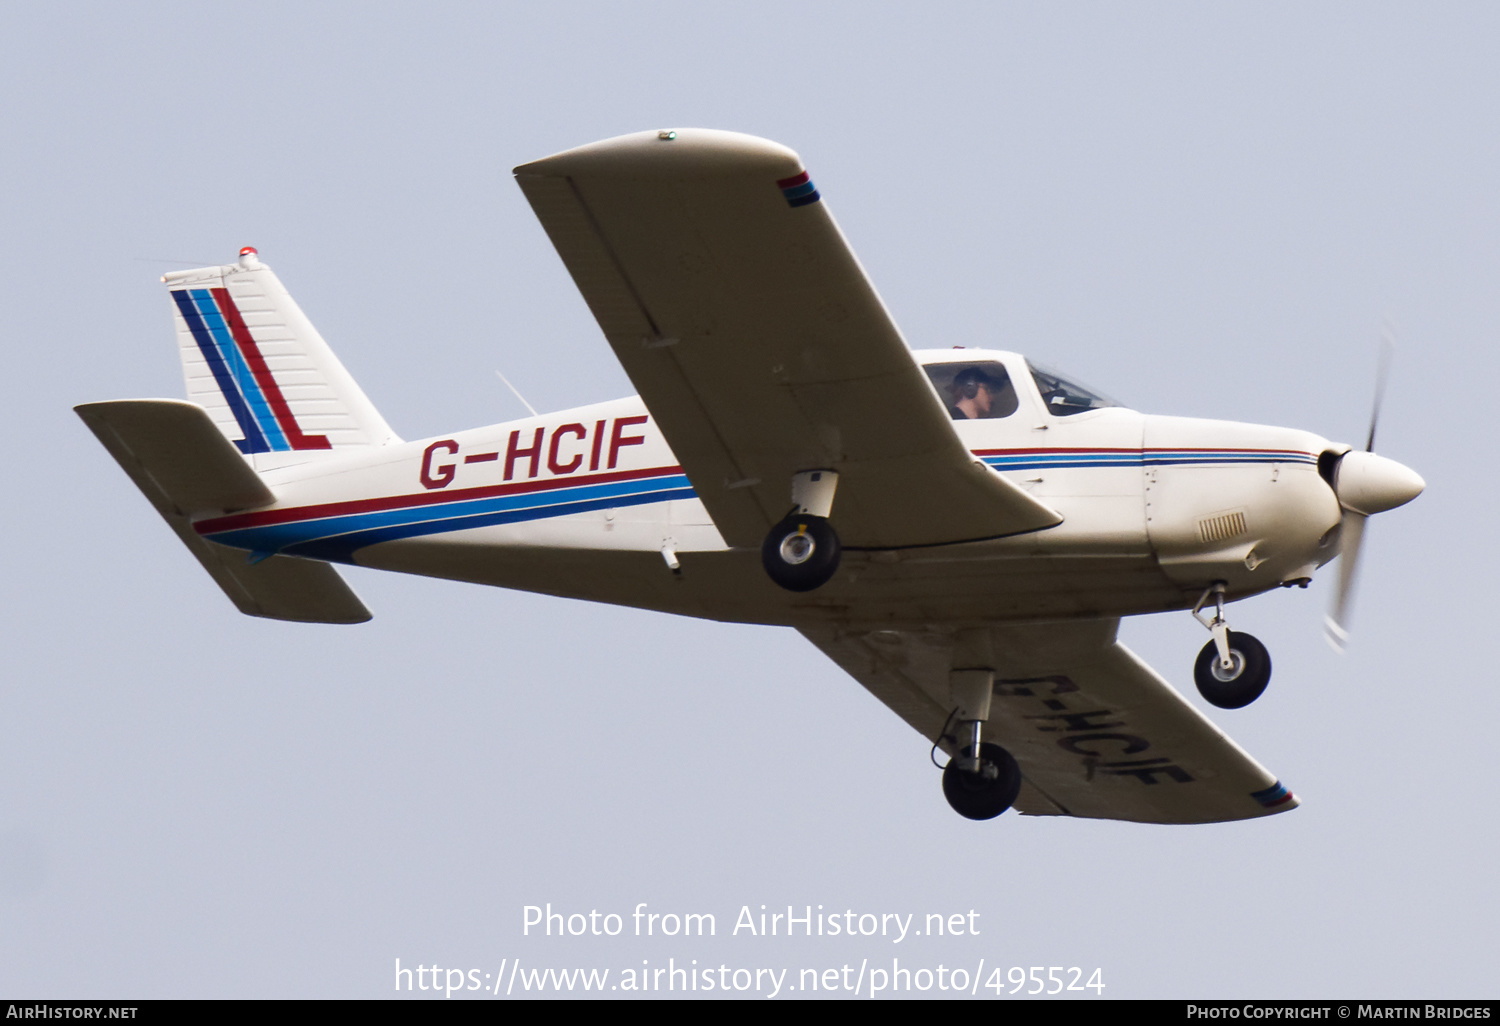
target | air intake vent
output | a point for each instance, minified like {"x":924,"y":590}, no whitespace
{"x":1222,"y":527}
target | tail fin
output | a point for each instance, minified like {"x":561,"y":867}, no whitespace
{"x":254,"y":361}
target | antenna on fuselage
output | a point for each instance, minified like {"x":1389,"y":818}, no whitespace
{"x":516,"y":392}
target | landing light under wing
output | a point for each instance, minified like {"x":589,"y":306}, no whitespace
{"x":741,"y":315}
{"x":1096,"y":732}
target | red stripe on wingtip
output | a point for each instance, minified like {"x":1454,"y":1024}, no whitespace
{"x":792,"y":182}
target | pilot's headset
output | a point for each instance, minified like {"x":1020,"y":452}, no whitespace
{"x":967,"y":381}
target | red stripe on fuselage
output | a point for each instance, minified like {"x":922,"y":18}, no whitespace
{"x":263,"y":376}
{"x":237,"y":521}
{"x":1222,"y":448}
{"x":1042,"y":452}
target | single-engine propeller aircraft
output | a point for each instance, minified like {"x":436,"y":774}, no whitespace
{"x":961,"y":530}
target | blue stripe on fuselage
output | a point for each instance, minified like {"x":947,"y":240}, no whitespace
{"x":336,"y":538}
{"x":1149,"y":458}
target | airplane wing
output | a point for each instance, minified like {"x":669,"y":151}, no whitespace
{"x":741,"y":315}
{"x":1096,"y":732}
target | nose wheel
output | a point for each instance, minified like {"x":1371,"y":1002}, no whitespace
{"x":1239,"y":684}
{"x":1233,"y":669}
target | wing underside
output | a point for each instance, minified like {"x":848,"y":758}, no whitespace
{"x":1096,"y":732}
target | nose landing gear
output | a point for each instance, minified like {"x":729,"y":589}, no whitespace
{"x":1248,"y":674}
{"x":1233,"y":669}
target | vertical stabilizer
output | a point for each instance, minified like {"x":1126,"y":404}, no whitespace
{"x":254,"y":361}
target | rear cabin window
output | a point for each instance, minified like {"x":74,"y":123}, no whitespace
{"x":980,"y":390}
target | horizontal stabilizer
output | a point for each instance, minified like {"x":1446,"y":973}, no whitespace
{"x":181,"y":461}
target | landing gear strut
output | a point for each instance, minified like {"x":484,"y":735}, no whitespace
{"x":982,"y":780}
{"x":1233,"y":669}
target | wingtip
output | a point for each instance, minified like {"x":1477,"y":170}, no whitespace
{"x":697,"y":150}
{"x":1276,"y":798}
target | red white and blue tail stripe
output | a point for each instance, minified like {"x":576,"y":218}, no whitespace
{"x":254,"y":362}
{"x":243,"y":377}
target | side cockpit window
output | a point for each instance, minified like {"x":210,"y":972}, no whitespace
{"x":974,"y":391}
{"x":1062,"y":397}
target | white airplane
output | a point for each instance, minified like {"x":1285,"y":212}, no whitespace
{"x":961,"y":530}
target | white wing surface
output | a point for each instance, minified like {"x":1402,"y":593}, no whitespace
{"x":738,"y":310}
{"x":1096,"y":732}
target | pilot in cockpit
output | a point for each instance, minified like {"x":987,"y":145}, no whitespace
{"x":979,"y":393}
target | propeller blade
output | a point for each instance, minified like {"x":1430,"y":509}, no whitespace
{"x":1382,"y":367}
{"x":1351,"y":536}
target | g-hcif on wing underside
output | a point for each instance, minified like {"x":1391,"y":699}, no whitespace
{"x":1095,"y":732}
{"x":742,"y":317}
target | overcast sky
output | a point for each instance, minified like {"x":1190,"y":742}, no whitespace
{"x":1206,"y":210}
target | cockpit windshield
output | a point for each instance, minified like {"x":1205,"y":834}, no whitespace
{"x":977,"y":390}
{"x":1062,"y":397}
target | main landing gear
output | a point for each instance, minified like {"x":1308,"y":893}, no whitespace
{"x":802,"y":552}
{"x":1233,"y":669}
{"x":982,"y":780}
{"x":988,"y":789}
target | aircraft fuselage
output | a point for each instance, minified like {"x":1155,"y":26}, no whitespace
{"x":591,"y":503}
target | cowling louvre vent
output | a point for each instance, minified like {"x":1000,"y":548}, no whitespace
{"x":1222,"y":527}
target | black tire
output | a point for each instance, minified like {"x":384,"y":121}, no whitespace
{"x":801,"y":553}
{"x":1244,"y":683}
{"x":975,"y":796}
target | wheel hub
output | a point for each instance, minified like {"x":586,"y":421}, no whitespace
{"x":801,"y":553}
{"x":1237,"y":667}
{"x":797,"y":548}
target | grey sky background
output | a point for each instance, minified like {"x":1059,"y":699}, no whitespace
{"x":1207,"y":210}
